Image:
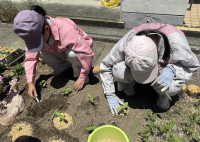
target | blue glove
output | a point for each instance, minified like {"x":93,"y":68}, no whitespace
{"x":165,"y":78}
{"x":114,"y":102}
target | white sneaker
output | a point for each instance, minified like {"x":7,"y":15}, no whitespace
{"x":163,"y":102}
{"x":127,"y":87}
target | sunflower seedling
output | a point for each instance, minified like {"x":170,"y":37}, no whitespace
{"x":90,"y":129}
{"x":19,"y":128}
{"x":61,"y":116}
{"x":51,"y":118}
{"x":90,"y":98}
{"x":66,"y":91}
{"x":43,"y":83}
{"x":123,"y":109}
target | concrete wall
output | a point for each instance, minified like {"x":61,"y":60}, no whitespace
{"x":136,"y":12}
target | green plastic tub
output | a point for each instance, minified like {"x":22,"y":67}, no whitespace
{"x":108,"y":132}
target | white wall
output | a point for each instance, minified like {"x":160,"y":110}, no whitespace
{"x":136,"y":12}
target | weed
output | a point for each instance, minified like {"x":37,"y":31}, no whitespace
{"x":178,"y":109}
{"x":90,"y":98}
{"x":51,"y":118}
{"x":43,"y":83}
{"x":151,"y":115}
{"x":173,"y":138}
{"x":196,"y":137}
{"x":123,"y":109}
{"x":18,"y":70}
{"x":66,"y":91}
{"x":132,"y":128}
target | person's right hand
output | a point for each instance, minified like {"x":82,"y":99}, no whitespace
{"x":31,"y":90}
{"x":114,"y":102}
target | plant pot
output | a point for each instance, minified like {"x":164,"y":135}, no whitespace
{"x":108,"y":132}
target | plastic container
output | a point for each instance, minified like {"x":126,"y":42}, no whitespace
{"x":108,"y":132}
{"x":110,"y":3}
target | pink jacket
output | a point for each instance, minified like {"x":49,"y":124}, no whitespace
{"x":66,"y":34}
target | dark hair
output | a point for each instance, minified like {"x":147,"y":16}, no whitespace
{"x":166,"y":55}
{"x":39,"y":10}
{"x":43,"y":13}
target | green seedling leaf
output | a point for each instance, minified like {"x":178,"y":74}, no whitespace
{"x":123,"y":108}
{"x":125,"y":105}
{"x":90,"y":98}
{"x":43,"y":83}
{"x":19,"y":128}
{"x":91,"y":128}
{"x":119,"y":108}
{"x":65,"y":91}
{"x":60,"y":115}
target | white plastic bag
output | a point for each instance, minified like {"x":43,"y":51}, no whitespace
{"x":12,"y":105}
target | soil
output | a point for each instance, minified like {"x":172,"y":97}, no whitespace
{"x":63,"y":124}
{"x":20,"y":129}
{"x":82,"y":112}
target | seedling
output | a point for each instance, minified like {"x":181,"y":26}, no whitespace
{"x":123,"y":109}
{"x":66,"y":91}
{"x":19,"y":128}
{"x":60,"y":115}
{"x":43,"y":83}
{"x":18,"y":70}
{"x":51,"y":118}
{"x":91,"y":128}
{"x":91,"y":100}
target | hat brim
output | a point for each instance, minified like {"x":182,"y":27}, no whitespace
{"x":145,"y":77}
{"x":35,"y":46}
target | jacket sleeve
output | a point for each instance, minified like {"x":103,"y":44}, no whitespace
{"x":30,"y":64}
{"x":184,"y":60}
{"x":114,"y":56}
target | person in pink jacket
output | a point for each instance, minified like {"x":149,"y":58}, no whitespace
{"x":58,"y":41}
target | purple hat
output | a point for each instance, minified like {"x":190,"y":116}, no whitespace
{"x":142,"y":58}
{"x":28,"y":26}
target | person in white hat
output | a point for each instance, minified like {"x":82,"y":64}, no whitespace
{"x":153,"y":53}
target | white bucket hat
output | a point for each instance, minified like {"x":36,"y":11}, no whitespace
{"x":142,"y":58}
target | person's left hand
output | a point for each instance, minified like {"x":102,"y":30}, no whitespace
{"x":165,"y":78}
{"x":78,"y":85}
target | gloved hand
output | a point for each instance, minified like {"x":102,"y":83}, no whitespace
{"x":165,"y":78}
{"x":114,"y":102}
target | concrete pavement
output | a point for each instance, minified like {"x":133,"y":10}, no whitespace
{"x":105,"y":33}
